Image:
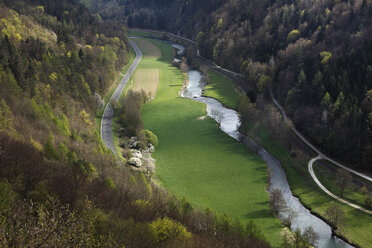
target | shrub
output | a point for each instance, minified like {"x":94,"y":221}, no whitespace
{"x":151,"y":137}
{"x":293,"y":35}
{"x":49,"y":149}
{"x":110,"y":183}
{"x":166,"y":229}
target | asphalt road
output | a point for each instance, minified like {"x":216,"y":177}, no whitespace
{"x":108,"y":114}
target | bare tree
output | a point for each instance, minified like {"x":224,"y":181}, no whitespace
{"x":291,"y":214}
{"x":335,"y":214}
{"x":344,"y":179}
{"x":310,"y":236}
{"x":183,"y":66}
{"x":277,"y":202}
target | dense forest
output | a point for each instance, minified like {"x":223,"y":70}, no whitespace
{"x":315,"y":56}
{"x":59,"y":185}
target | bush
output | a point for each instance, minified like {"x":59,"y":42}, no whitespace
{"x":151,"y":137}
{"x":166,"y":229}
{"x":110,"y":183}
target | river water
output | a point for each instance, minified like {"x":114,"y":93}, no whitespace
{"x":229,"y":121}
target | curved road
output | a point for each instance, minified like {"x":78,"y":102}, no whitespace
{"x":108,"y":114}
{"x":323,"y":156}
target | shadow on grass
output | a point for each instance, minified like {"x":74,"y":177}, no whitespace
{"x":256,"y":214}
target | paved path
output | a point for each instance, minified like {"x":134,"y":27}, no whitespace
{"x":108,"y":114}
{"x":311,"y":171}
{"x":324,"y":157}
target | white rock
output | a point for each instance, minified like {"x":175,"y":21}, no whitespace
{"x":135,"y":162}
{"x":136,"y":154}
{"x":133,"y":143}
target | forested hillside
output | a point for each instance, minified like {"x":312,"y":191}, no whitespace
{"x":59,"y":185}
{"x":315,"y":55}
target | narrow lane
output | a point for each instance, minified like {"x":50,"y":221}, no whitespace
{"x":324,"y":157}
{"x":108,"y":114}
{"x":311,"y":171}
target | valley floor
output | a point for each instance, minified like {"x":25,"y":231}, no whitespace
{"x":196,"y":160}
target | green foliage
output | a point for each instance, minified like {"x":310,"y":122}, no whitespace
{"x":133,"y":180}
{"x":49,"y":149}
{"x":264,"y":83}
{"x":151,"y":137}
{"x":165,"y":229}
{"x":63,"y":124}
{"x":327,"y":100}
{"x":6,"y":116}
{"x":293,"y":35}
{"x":199,"y":37}
{"x":85,"y":167}
{"x":36,"y":144}
{"x":219,"y":23}
{"x":75,"y":136}
{"x":146,"y":184}
{"x":9,"y":84}
{"x":129,"y":115}
{"x":110,"y":183}
{"x":326,"y":56}
{"x":63,"y":150}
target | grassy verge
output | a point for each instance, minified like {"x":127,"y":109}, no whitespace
{"x":116,"y":141}
{"x":195,"y":159}
{"x":221,"y":88}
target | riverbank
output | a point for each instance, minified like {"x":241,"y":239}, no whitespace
{"x":195,"y":159}
{"x":356,"y":229}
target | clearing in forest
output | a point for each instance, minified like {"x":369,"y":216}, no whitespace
{"x":148,"y":49}
{"x":147,"y":80}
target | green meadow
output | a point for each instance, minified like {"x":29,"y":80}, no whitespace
{"x":196,"y":160}
{"x":358,"y":225}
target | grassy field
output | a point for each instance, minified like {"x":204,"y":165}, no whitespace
{"x":328,"y":178}
{"x":222,"y":88}
{"x":148,"y":49}
{"x":140,"y":33}
{"x":147,"y":80}
{"x":196,"y":160}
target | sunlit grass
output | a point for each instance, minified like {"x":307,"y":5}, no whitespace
{"x":195,"y":159}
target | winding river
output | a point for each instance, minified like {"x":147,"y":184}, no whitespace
{"x":229,"y":123}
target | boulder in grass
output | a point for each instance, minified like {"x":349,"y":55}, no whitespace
{"x":135,"y":162}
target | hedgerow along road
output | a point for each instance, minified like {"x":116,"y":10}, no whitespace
{"x":108,"y":114}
